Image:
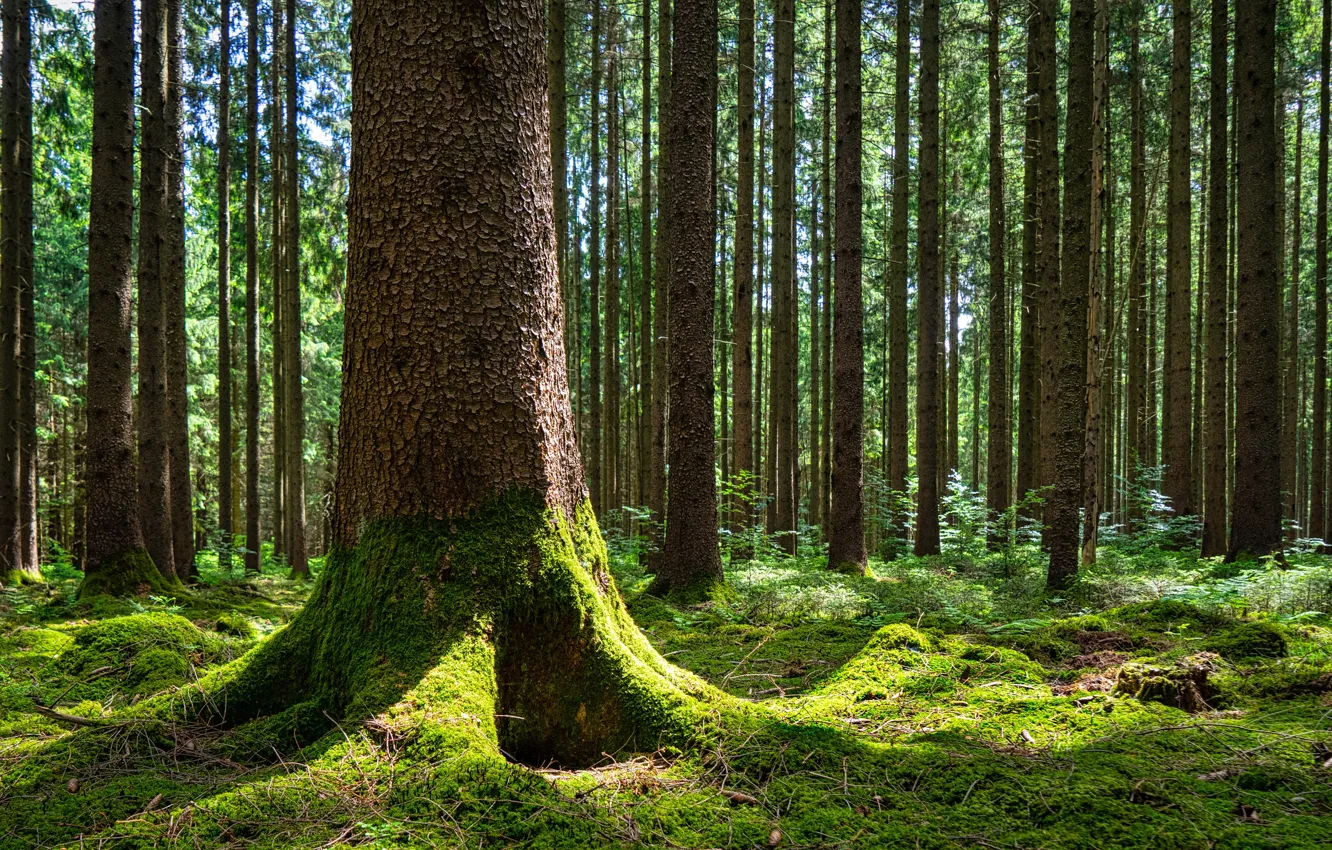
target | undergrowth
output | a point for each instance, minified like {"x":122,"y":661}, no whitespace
{"x":1166,"y":701}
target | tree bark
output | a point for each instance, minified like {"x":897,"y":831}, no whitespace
{"x":692,"y":563}
{"x":999,"y":461}
{"x":927,"y":291}
{"x":1256,"y":518}
{"x":1094,"y":416}
{"x":1048,"y":247}
{"x":661,"y":283}
{"x":1215,"y":471}
{"x":224,"y":522}
{"x":276,"y":248}
{"x":610,"y":412}
{"x":557,"y":103}
{"x":742,"y":347}
{"x":898,"y":332}
{"x":1135,"y":407}
{"x":1177,"y":383}
{"x":645,"y":368}
{"x":19,"y":128}
{"x":1290,"y":398}
{"x":781,"y":382}
{"x":825,"y":190}
{"x":1028,"y":440}
{"x":14,"y":88}
{"x":154,"y":458}
{"x":594,"y":448}
{"x":1318,"y":426}
{"x":252,"y":506}
{"x":294,"y":413}
{"x":117,"y":561}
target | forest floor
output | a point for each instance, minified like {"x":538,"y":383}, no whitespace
{"x":1167,"y":703}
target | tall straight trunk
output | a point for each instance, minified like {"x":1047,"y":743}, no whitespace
{"x":1200,"y":328}
{"x":593,"y":453}
{"x":1256,"y":517}
{"x":276,"y":248}
{"x":14,"y":89}
{"x":1214,"y":472}
{"x":783,"y":271}
{"x":846,"y":532}
{"x":1177,"y":445}
{"x":154,"y":459}
{"x":1290,"y":404}
{"x":999,"y":463}
{"x":927,"y":290}
{"x":116,"y":561}
{"x":644,"y":461}
{"x":252,"y":506}
{"x":224,"y":522}
{"x":294,"y":414}
{"x":1070,"y":324}
{"x":661,"y":281}
{"x":1028,"y":440}
{"x":610,"y":431}
{"x":22,"y":240}
{"x":760,"y":361}
{"x":1135,"y":407}
{"x":691,"y":565}
{"x":1094,"y":404}
{"x":898,"y":334}
{"x":173,"y":296}
{"x":825,"y":191}
{"x":557,"y":103}
{"x":742,"y":348}
{"x":815,"y":366}
{"x":954,"y":363}
{"x":976,"y":483}
{"x":1048,"y":242}
{"x":1318,"y":424}
{"x":1153,"y":382}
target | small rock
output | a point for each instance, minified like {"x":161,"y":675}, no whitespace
{"x":73,"y":786}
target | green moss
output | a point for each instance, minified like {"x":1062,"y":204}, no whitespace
{"x":20,"y":578}
{"x":1260,"y":639}
{"x":235,"y":624}
{"x":131,"y":573}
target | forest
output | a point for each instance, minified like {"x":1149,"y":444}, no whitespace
{"x":676,"y":424}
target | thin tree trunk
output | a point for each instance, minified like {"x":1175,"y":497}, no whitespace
{"x":846,"y":534}
{"x":645,"y":282}
{"x":999,"y":463}
{"x":1048,"y":246}
{"x":595,"y":422}
{"x":1215,"y":472}
{"x":276,"y":247}
{"x":742,"y":351}
{"x":1256,"y":518}
{"x":610,"y":431}
{"x":825,"y":183}
{"x":1153,"y":382}
{"x":224,"y":522}
{"x":1177,"y":454}
{"x":692,"y":562}
{"x":783,"y":273}
{"x":898,"y":333}
{"x":815,"y":366}
{"x":18,"y":127}
{"x":1136,"y":403}
{"x":661,"y":281}
{"x":1094,"y":404}
{"x":294,"y":414}
{"x":1290,"y":400}
{"x":927,"y":292}
{"x":1318,"y":426}
{"x":1028,"y":425}
{"x":252,"y":507}
{"x":557,"y":103}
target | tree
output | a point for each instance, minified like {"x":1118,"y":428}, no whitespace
{"x":277,"y":246}
{"x":928,"y":302}
{"x":294,"y":397}
{"x":154,"y":450}
{"x":1215,"y":471}
{"x":117,"y":562}
{"x":1255,"y":528}
{"x":825,"y":261}
{"x":846,"y":532}
{"x":252,"y":286}
{"x":661,"y":280}
{"x":782,"y":384}
{"x":519,"y":591}
{"x":1178,"y":451}
{"x":898,"y":259}
{"x":610,"y":409}
{"x":1291,"y":399}
{"x":1318,"y":423}
{"x":645,"y":281}
{"x":1028,"y":442}
{"x":224,"y":523}
{"x":742,"y":348}
{"x":691,"y":563}
{"x":1070,"y":324}
{"x":1095,"y":417}
{"x":1135,"y":405}
{"x":998,"y":450}
{"x":593,"y":451}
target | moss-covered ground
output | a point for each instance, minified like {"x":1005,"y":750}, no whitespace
{"x":1167,"y":703}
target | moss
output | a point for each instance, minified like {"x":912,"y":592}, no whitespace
{"x":1260,"y":639}
{"x":235,"y":624}
{"x":131,"y":573}
{"x":19,"y":578}
{"x":1169,"y":615}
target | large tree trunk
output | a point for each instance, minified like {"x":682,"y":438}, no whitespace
{"x":467,"y":573}
{"x":1214,"y":427}
{"x":1256,"y":518}
{"x":742,"y":349}
{"x":1094,"y":405}
{"x":825,"y":191}
{"x":1318,"y":424}
{"x":999,"y":461}
{"x":783,"y":272}
{"x":154,"y":450}
{"x":928,"y":303}
{"x":898,"y":333}
{"x":1070,"y":324}
{"x":1028,"y":440}
{"x":252,"y":287}
{"x":21,"y":239}
{"x":294,"y":413}
{"x":661,"y":283}
{"x":846,"y":531}
{"x":1048,"y":248}
{"x":12,"y":565}
{"x":117,"y":562}
{"x":1177,"y":454}
{"x":173,"y":296}
{"x":557,"y":103}
{"x":224,"y":522}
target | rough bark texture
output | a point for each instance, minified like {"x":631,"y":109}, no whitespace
{"x":846,"y":532}
{"x":1048,"y":246}
{"x":224,"y":522}
{"x":277,"y":247}
{"x":1214,"y":428}
{"x":557,"y":102}
{"x":1291,"y":405}
{"x":661,"y":282}
{"x":1256,"y":518}
{"x":154,"y":457}
{"x":783,"y":272}
{"x":1070,"y":325}
{"x":294,"y":414}
{"x":468,"y":573}
{"x":610,"y":408}
{"x":1028,"y":443}
{"x":928,"y":303}
{"x":691,"y":565}
{"x":18,"y":127}
{"x":1094,"y":417}
{"x":252,"y":286}
{"x":11,"y":331}
{"x":594,"y":450}
{"x":645,"y":281}
{"x":1135,"y":406}
{"x":825,"y":190}
{"x":116,"y":559}
{"x":898,"y":333}
{"x":173,"y":299}
{"x":999,"y":460}
{"x":1177,"y":454}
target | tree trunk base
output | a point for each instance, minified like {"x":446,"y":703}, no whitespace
{"x":504,"y":627}
{"x":131,"y":573}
